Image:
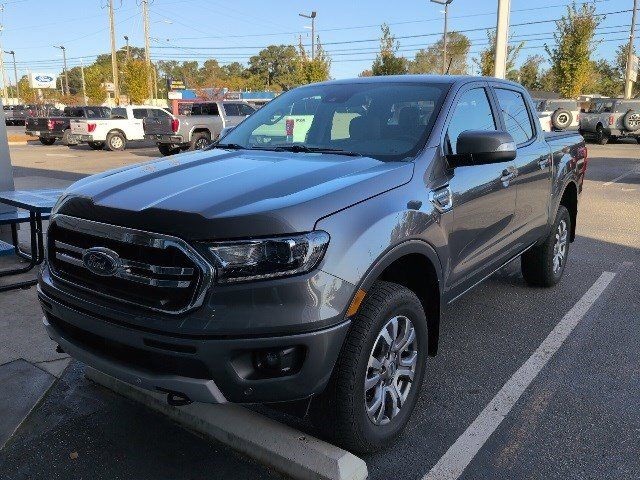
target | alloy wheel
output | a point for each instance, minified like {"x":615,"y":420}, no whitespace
{"x":391,"y":370}
{"x":560,"y":247}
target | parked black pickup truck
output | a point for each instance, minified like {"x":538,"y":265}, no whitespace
{"x":264,"y":269}
{"x":50,"y":129}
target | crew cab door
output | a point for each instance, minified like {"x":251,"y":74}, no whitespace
{"x":533,"y":164}
{"x":234,"y":113}
{"x":483,"y":200}
{"x":136,"y":125}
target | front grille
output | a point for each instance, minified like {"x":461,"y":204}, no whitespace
{"x":149,"y":270}
{"x":147,"y":360}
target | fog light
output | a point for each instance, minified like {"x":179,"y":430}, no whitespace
{"x":278,"y":362}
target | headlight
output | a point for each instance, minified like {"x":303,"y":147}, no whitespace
{"x":244,"y":260}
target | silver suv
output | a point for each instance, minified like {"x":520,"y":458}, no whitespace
{"x":611,"y":118}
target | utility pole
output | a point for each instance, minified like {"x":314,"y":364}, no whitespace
{"x":64,"y":69}
{"x":114,"y":60}
{"x":84,"y":86}
{"x":502,"y":39}
{"x":630,"y":75}
{"x":444,"y":36}
{"x":5,"y":95}
{"x":313,"y":32}
{"x":126,"y":39}
{"x":15,"y":74}
{"x":147,"y":56}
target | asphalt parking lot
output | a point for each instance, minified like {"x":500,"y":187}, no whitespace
{"x":578,"y":416}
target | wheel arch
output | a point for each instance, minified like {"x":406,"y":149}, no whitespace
{"x":116,"y":130}
{"x":569,"y":200}
{"x":415,"y":265}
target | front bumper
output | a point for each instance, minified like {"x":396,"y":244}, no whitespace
{"x":206,"y":368}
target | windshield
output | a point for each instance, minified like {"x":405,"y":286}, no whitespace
{"x":387,"y":121}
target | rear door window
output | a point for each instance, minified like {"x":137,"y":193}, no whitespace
{"x":231,"y":110}
{"x":119,"y":113}
{"x":245,"y":109}
{"x":140,"y":113}
{"x":515,"y":114}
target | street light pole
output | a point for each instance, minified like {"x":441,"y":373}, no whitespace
{"x":628,"y":83}
{"x":147,"y":56}
{"x":444,"y":36}
{"x":313,"y":32}
{"x":5,"y":95}
{"x":84,"y":86}
{"x":64,"y":68}
{"x":502,"y":39}
{"x":15,"y":73}
{"x":126,"y":39}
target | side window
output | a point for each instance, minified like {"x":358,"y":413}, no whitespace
{"x":231,"y":110}
{"x":472,"y":112}
{"x":196,"y":109}
{"x":515,"y":114}
{"x":119,"y":112}
{"x":140,"y":113}
{"x":245,"y":109}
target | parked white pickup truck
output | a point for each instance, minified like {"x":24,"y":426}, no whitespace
{"x":124,"y":125}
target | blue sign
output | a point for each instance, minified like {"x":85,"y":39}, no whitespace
{"x":44,"y":78}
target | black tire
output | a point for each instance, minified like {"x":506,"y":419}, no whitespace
{"x":66,"y":138}
{"x":200,"y":140}
{"x":538,"y":268}
{"x":96,"y":145}
{"x":341,"y":410}
{"x":601,"y":137}
{"x":47,"y":141}
{"x":115,"y":142}
{"x":166,"y":150}
{"x":561,"y":119}
{"x":638,"y":139}
{"x":631,"y":121}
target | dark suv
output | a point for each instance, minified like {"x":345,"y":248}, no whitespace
{"x":264,"y":269}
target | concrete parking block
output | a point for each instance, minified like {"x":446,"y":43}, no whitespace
{"x":263,"y":439}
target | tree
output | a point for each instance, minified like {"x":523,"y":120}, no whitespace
{"x":316,"y":70}
{"x":387,"y":62}
{"x":277,"y":66}
{"x":366,"y":73}
{"x":429,"y":60}
{"x":571,"y":54}
{"x":94,"y":80}
{"x":529,"y":73}
{"x":486,"y":61}
{"x":135,"y":81}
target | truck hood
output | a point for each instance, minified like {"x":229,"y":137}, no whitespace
{"x":218,"y":194}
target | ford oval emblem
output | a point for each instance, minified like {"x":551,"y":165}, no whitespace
{"x":44,"y":78}
{"x":101,"y":261}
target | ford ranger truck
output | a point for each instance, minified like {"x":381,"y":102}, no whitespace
{"x":271,"y":269}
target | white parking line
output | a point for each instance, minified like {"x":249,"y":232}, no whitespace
{"x":630,"y":172}
{"x":459,"y":455}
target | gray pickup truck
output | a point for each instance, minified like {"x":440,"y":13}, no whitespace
{"x":313,"y":267}
{"x":198,"y":129}
{"x":608,"y":119}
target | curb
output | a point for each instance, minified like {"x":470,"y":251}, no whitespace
{"x":269,"y":442}
{"x":18,"y":143}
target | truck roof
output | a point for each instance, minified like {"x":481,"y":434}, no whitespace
{"x":446,"y":79}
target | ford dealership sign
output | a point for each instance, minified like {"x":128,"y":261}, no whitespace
{"x":42,"y":80}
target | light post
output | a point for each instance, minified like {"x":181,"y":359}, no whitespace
{"x":630,"y":74}
{"x":502,"y":39}
{"x":313,"y":32}
{"x":15,"y":73}
{"x":444,"y":37}
{"x":126,"y":39}
{"x":64,"y":62}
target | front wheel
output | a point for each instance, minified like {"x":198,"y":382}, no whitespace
{"x":601,"y":137}
{"x":376,"y":381}
{"x":47,"y":141}
{"x":543,"y":265}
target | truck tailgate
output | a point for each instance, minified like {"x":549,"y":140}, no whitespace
{"x":79,"y":127}
{"x":158,"y":126}
{"x":37,"y":124}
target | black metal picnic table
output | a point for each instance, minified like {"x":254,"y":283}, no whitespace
{"x":33,"y":207}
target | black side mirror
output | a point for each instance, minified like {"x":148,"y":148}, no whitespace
{"x":481,"y":147}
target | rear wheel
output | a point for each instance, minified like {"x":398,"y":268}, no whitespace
{"x":543,"y":265}
{"x":200,"y":141}
{"x":601,"y":137}
{"x":115,"y":141}
{"x":47,"y":141}
{"x":168,"y":149}
{"x":96,"y":145}
{"x":67,"y":138}
{"x":376,"y":381}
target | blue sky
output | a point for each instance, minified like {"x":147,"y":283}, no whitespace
{"x":348,"y":29}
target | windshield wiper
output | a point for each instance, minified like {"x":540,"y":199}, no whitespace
{"x":305,"y":149}
{"x":229,"y":146}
